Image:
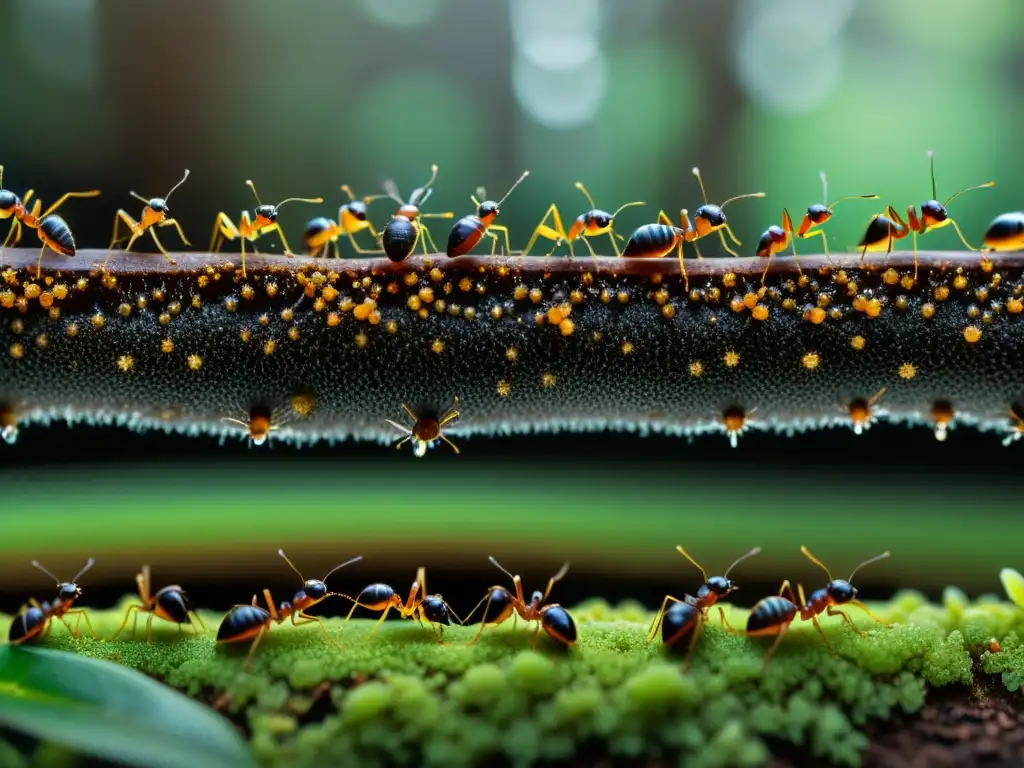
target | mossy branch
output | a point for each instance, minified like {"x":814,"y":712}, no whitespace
{"x":399,"y":697}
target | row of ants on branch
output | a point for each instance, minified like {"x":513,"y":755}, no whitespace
{"x":680,"y":620}
{"x":407,"y":228}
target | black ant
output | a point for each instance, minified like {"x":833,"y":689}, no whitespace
{"x":406,"y":227}
{"x":382,"y":597}
{"x":468,"y":230}
{"x":170,"y":604}
{"x":322,"y":233}
{"x":500,"y":604}
{"x":34,"y":620}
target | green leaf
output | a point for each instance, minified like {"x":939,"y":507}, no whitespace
{"x":104,"y":709}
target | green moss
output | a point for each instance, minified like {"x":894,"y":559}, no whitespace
{"x":399,"y":697}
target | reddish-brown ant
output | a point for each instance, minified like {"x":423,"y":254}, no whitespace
{"x":427,"y":430}
{"x":501,"y":604}
{"x":468,"y":231}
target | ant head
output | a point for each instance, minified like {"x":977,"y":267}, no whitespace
{"x":841,"y":591}
{"x":8,"y":202}
{"x":488,"y":209}
{"x":408,"y":211}
{"x":315,"y":589}
{"x":721,"y":586}
{"x":537,"y":597}
{"x":602,"y":219}
{"x":358,"y":209}
{"x":711,"y":215}
{"x":158,"y":204}
{"x":934,"y":210}
{"x":818,"y":214}
{"x":267,"y":212}
{"x":67,"y":590}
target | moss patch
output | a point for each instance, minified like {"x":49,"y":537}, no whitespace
{"x":400,"y":698}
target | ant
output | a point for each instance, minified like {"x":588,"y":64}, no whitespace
{"x":654,"y":241}
{"x":552,"y":618}
{"x":1016,"y":424}
{"x":264,"y":222}
{"x":861,"y":416}
{"x":321,"y":233}
{"x":934,"y":215}
{"x":776,"y":239}
{"x":771,"y":615}
{"x":882,"y":231}
{"x":169,"y":604}
{"x":154,"y":214}
{"x":1006,"y":232}
{"x":35,"y":619}
{"x":426,"y":431}
{"x":736,"y":421}
{"x":468,"y":230}
{"x":592,"y":223}
{"x":382,"y":597}
{"x":52,"y":230}
{"x":942,"y":418}
{"x":685,"y":622}
{"x":707,"y":219}
{"x":258,"y":424}
{"x":406,"y":227}
{"x":245,"y":621}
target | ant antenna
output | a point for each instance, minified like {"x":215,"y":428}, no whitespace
{"x":824,"y":187}
{"x":290,"y":563}
{"x":390,"y":190}
{"x":253,"y":188}
{"x":88,"y":563}
{"x":581,"y":188}
{"x":878,"y":394}
{"x":684,"y":553}
{"x":299,"y":200}
{"x":501,"y":567}
{"x":433,"y":176}
{"x":561,"y":572}
{"x":168,"y":195}
{"x":696,"y":172}
{"x":627,"y":205}
{"x":816,"y":561}
{"x":968,"y":189}
{"x":853,"y":197}
{"x":348,"y":191}
{"x":339,"y":567}
{"x":1,"y":176}
{"x":931,"y":160}
{"x":740,"y":559}
{"x":740,"y":197}
{"x":37,"y":564}
{"x":874,"y":559}
{"x":520,"y":181}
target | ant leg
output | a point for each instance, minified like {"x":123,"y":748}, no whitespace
{"x":824,"y":243}
{"x":721,"y":236}
{"x":615,"y":245}
{"x":787,"y":587}
{"x":252,"y":648}
{"x":306,"y":619}
{"x":149,"y":627}
{"x":280,"y":234}
{"x":61,"y":200}
{"x":15,"y":224}
{"x":152,"y":233}
{"x":82,"y":614}
{"x":174,"y":223}
{"x":483,"y":619}
{"x":660,"y":615}
{"x":39,"y":265}
{"x":358,"y":248}
{"x":198,"y":618}
{"x":963,"y":240}
{"x":383,"y":616}
{"x":556,"y":233}
{"x":859,"y":604}
{"x":833,"y":612}
{"x":778,"y":639}
{"x":726,"y":625}
{"x":504,"y":231}
{"x":133,"y":226}
{"x":536,"y":636}
{"x":817,"y":626}
{"x":494,"y":241}
{"x":223,"y":229}
{"x":591,"y":248}
{"x":697,"y":632}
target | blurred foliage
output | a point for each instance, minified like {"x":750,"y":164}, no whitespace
{"x":400,"y":698}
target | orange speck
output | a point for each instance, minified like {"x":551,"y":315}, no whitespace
{"x":941,"y":292}
{"x":17,"y":351}
{"x":303,"y":403}
{"x":873,"y":308}
{"x":98,"y":321}
{"x":815,"y":315}
{"x":1014,"y":306}
{"x":858,"y":342}
{"x":972,"y":334}
{"x":361,"y":340}
{"x":548,"y":380}
{"x":511,"y":354}
{"x":567,"y":327}
{"x":810,"y":361}
{"x":195,"y":362}
{"x":125,"y":363}
{"x":167,"y":346}
{"x":729,"y":279}
{"x":536,"y":294}
{"x":696,"y":368}
{"x":928,"y":310}
{"x":269,"y":347}
{"x":736,"y":304}
{"x":759,"y":312}
{"x":907,"y":371}
{"x":731,"y":359}
{"x":437,"y":346}
{"x":960,"y":282}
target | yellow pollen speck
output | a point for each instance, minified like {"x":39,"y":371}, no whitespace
{"x":858,"y":342}
{"x":960,"y":282}
{"x":269,"y":347}
{"x":928,"y":310}
{"x":303,"y":404}
{"x":627,"y":347}
{"x":810,"y":361}
{"x":167,"y":346}
{"x":98,"y":321}
{"x":567,"y":327}
{"x":536,"y":294}
{"x":941,"y":293}
{"x":972,"y":333}
{"x":245,"y":334}
{"x":361,"y":340}
{"x":696,"y":368}
{"x":437,"y":346}
{"x":815,"y":315}
{"x":890,"y":276}
{"x":72,"y":330}
{"x":125,"y":363}
{"x":548,"y":380}
{"x":503,"y":388}
{"x":731,"y":359}
{"x":907,"y":371}
{"x":391,"y":326}
{"x":1014,"y":306}
{"x":293,"y":333}
{"x":17,"y":351}
{"x":511,"y":354}
{"x":759,"y":312}
{"x":195,"y":362}
{"x":668,"y":311}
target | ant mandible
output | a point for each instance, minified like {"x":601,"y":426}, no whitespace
{"x":264,"y":222}
{"x":34,"y":620}
{"x":169,"y":603}
{"x":248,"y":620}
{"x":592,"y":223}
{"x":154,"y":214}
{"x":406,"y":227}
{"x":467,"y":231}
{"x":426,"y":430}
{"x":552,"y":618}
{"x":690,"y":622}
{"x":382,"y":597}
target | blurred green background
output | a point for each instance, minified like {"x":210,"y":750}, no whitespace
{"x":303,"y":96}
